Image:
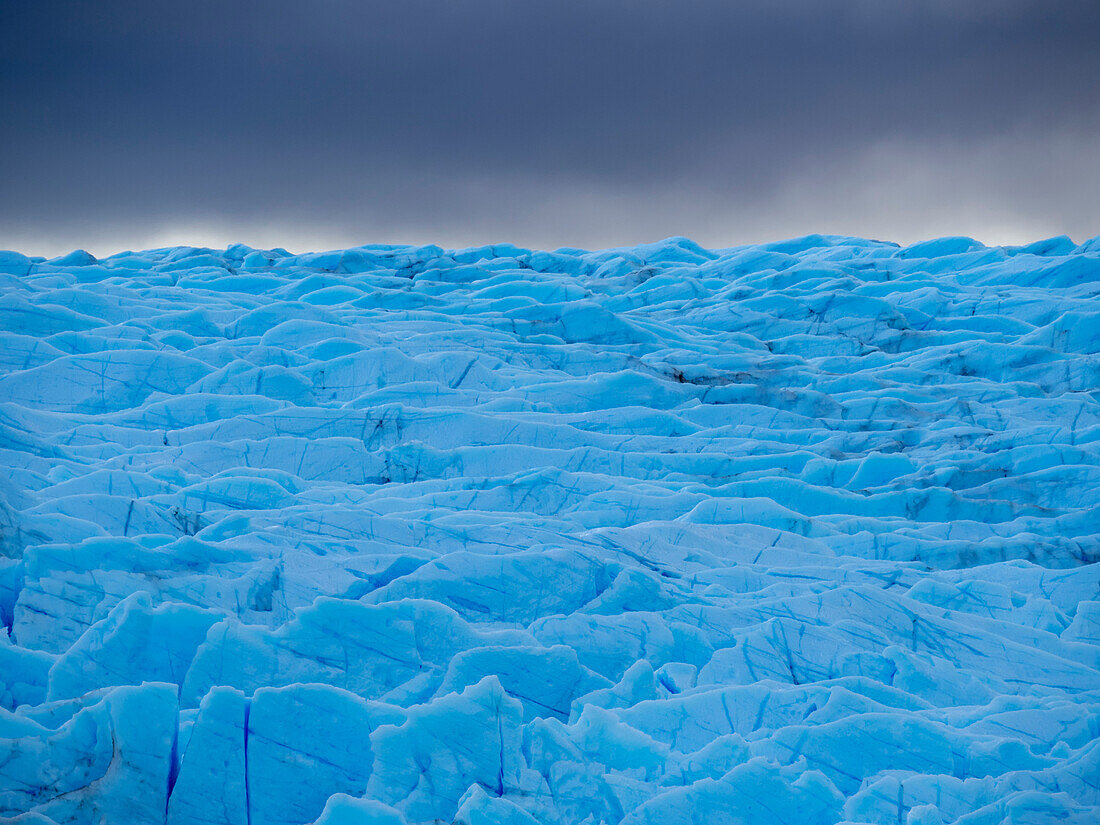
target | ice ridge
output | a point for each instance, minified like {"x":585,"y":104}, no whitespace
{"x":803,"y":532}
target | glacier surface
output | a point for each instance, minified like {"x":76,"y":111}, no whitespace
{"x":803,"y":533}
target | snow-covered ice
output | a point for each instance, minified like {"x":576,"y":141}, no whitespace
{"x":799,"y":533}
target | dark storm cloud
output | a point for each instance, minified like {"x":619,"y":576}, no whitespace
{"x":560,"y":122}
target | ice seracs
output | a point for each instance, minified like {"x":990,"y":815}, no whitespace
{"x":802,"y":532}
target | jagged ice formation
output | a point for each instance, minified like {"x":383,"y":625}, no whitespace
{"x":795,"y":533}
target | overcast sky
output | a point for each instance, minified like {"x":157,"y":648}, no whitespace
{"x":129,"y":124}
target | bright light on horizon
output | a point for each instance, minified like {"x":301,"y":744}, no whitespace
{"x":105,"y":243}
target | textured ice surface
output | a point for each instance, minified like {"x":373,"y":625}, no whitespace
{"x":797,"y":533}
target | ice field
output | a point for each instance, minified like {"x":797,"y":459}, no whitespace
{"x":798,"y":533}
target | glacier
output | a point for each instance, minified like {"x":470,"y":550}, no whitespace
{"x":802,"y":532}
